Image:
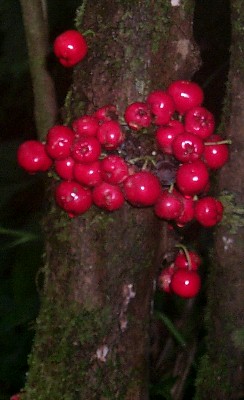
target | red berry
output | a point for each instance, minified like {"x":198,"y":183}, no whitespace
{"x":208,"y":211}
{"x":192,"y":178}
{"x":164,"y":279}
{"x":166,"y":134}
{"x":215,"y":155}
{"x":138,"y":116}
{"x":185,"y":94}
{"x":15,"y":397}
{"x":185,"y":283}
{"x":168,"y":205}
{"x":64,"y":168}
{"x":142,"y":189}
{"x":110,"y":135}
{"x":106,"y":113}
{"x":187,"y":147}
{"x":200,"y":121}
{"x":87,"y":125}
{"x":161,"y":106}
{"x":88,"y":174}
{"x":32,"y":157}
{"x":86,"y":149}
{"x":73,"y":198}
{"x":58,"y":142}
{"x":182,"y":262}
{"x":114,"y":169}
{"x":107,"y":196}
{"x":188,"y":212}
{"x":70,"y":48}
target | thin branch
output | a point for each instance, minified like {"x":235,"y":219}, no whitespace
{"x":36,"y":30}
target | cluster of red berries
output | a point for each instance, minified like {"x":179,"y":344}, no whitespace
{"x":86,"y":158}
{"x":181,"y":276}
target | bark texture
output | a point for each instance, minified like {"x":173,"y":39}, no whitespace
{"x":92,"y":338}
{"x":221,"y":374}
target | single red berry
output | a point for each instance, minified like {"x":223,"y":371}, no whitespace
{"x":86,"y":149}
{"x":110,"y":135}
{"x":114,"y":169}
{"x":107,"y":196}
{"x":70,"y":48}
{"x":200,"y":121}
{"x":88,"y":174}
{"x":138,"y":116}
{"x":188,"y":212}
{"x":87,"y":125}
{"x":166,"y":134}
{"x":142,"y":189}
{"x":32,"y":157}
{"x":58,"y":142}
{"x":187,"y":147}
{"x":182,"y":262}
{"x":164,"y":279}
{"x":192,"y":178}
{"x":161,"y":106}
{"x":215,"y":155}
{"x":168,"y":205}
{"x":64,"y":168}
{"x":208,"y":211}
{"x":73,"y":198}
{"x":185,"y":283}
{"x":185,"y":94}
{"x":15,"y":397}
{"x":106,"y":113}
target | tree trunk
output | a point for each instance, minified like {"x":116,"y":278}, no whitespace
{"x":92,"y":335}
{"x":221,"y":373}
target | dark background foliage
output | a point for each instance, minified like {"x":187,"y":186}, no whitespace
{"x":21,"y":200}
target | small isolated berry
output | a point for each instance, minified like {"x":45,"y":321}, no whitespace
{"x":161,"y":106}
{"x":114,"y":169}
{"x":142,"y":189}
{"x":87,"y":125}
{"x":200,"y":121}
{"x":165,"y":277}
{"x":185,"y":283}
{"x":192,"y":178}
{"x":110,"y":135}
{"x":186,"y":95}
{"x":86,"y":149}
{"x":216,"y":153}
{"x":208,"y":211}
{"x":58,"y":142}
{"x":138,"y":116}
{"x":70,"y":48}
{"x":73,"y":198}
{"x":64,"y":168}
{"x":32,"y":157}
{"x":107,"y":196}
{"x":165,"y":135}
{"x":88,"y":174}
{"x":168,"y":205}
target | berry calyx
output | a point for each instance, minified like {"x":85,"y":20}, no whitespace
{"x":185,"y":283}
{"x":200,"y":121}
{"x":187,"y":147}
{"x":32,"y":157}
{"x":185,"y":95}
{"x":142,"y":189}
{"x":70,"y":47}
{"x":86,"y":149}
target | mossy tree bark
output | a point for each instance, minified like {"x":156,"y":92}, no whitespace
{"x":92,"y":337}
{"x":221,"y":374}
